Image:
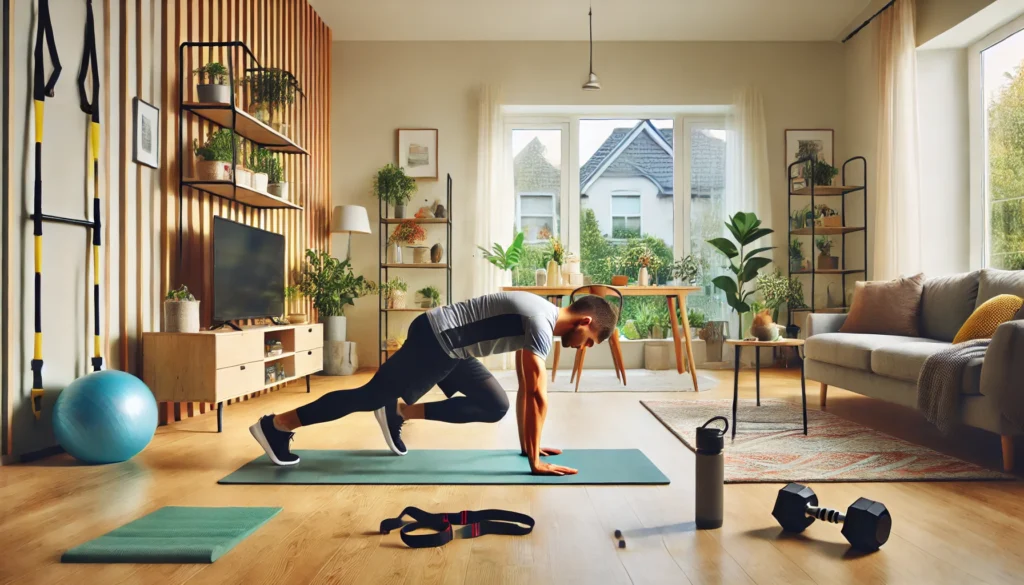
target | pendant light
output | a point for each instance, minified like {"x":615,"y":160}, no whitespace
{"x":592,"y":84}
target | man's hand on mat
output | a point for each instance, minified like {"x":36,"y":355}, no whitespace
{"x":544,"y":452}
{"x":541,"y":468}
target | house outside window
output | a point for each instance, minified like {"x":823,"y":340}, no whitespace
{"x":626,"y":215}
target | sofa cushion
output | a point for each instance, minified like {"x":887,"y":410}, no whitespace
{"x":890,"y":307}
{"x":946,"y":303}
{"x":853,"y":350}
{"x":999,"y":282}
{"x":991,"y":314}
{"x":905,"y":360}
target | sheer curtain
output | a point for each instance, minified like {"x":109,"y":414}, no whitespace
{"x":493,"y":204}
{"x":897,"y":229}
{"x":746,"y":158}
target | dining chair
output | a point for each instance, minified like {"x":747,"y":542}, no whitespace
{"x":603,"y":291}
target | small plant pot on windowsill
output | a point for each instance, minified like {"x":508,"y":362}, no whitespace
{"x":213,"y":170}
{"x":212,"y":93}
{"x":828,"y":262}
{"x":259,"y":182}
{"x":279,"y":190}
{"x":181,"y":316}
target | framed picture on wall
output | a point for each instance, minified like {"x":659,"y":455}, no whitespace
{"x":800,"y":144}
{"x":146,"y":140}
{"x":417,"y":152}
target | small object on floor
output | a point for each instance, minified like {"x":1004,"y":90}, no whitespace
{"x":474,"y":524}
{"x":866,"y":524}
{"x":105,"y":417}
{"x":174,"y":534}
{"x":618,"y":533}
{"x":622,"y":543}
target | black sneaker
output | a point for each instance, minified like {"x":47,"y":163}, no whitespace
{"x":391,"y":424}
{"x":273,"y":441}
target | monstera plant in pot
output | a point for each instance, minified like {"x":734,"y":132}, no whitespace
{"x":394,"y":187}
{"x":330,"y":284}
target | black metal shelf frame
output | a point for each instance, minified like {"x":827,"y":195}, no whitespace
{"x":231,"y":46}
{"x":812,"y":192}
{"x":382,"y":312}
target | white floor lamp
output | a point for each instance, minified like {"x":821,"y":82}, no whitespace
{"x":341,"y":355}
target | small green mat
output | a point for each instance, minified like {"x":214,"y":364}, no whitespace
{"x":448,"y":467}
{"x":173,"y":534}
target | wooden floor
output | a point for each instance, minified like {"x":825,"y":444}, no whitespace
{"x":942,"y":532}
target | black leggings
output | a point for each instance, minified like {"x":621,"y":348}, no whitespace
{"x":410,"y":373}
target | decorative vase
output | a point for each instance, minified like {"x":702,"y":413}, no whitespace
{"x":394,"y":254}
{"x":554,"y":274}
{"x":212,"y":93}
{"x":259,"y":182}
{"x":540,"y":277}
{"x":396,"y":299}
{"x":420,"y":254}
{"x":620,"y":280}
{"x":279,"y":190}
{"x":506,"y":278}
{"x":297,"y":318}
{"x":713,"y":335}
{"x":213,"y":170}
{"x":440,"y":212}
{"x":436,"y":253}
{"x":400,"y":211}
{"x":644,"y":279}
{"x":181,"y":316}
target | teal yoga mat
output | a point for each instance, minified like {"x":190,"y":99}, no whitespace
{"x":173,"y":535}
{"x":449,"y":467}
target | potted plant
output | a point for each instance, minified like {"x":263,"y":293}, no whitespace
{"x":689,"y":270}
{"x":393,"y":186}
{"x":215,"y":90}
{"x":268,"y":174}
{"x":746,"y":229}
{"x":270,"y":89}
{"x":410,"y":233}
{"x":331,"y":285}
{"x":394,"y":293}
{"x":430,"y":297}
{"x":823,"y":172}
{"x":777,"y":290}
{"x":697,"y":320}
{"x":505,"y":259}
{"x":557,"y":253}
{"x":214,"y":156}
{"x":292,"y":293}
{"x":796,"y":255}
{"x":181,"y":311}
{"x":826,"y":261}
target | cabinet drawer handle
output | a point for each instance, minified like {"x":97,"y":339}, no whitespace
{"x":243,"y":367}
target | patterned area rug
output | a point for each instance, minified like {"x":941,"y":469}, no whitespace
{"x":770,"y":446}
{"x":605,"y":381}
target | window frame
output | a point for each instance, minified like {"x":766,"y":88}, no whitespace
{"x":623,"y":193}
{"x":980,"y":207}
{"x":519,"y":210}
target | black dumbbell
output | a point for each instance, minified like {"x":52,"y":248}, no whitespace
{"x":866,"y":524}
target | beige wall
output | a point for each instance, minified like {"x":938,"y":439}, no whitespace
{"x":379,"y":87}
{"x":935,"y":17}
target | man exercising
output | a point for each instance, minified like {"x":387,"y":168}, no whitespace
{"x":442,"y":348}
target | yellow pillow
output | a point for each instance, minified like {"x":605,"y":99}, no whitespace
{"x":991,"y":314}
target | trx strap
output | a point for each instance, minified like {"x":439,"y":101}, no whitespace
{"x":93,"y":109}
{"x":474,"y":524}
{"x":41,"y":89}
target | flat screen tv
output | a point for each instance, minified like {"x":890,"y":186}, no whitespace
{"x":248,"y":272}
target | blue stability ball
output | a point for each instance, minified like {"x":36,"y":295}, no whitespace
{"x":105,"y":417}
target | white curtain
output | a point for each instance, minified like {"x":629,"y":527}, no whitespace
{"x":746,"y":158}
{"x":897,"y":229}
{"x":494,"y":206}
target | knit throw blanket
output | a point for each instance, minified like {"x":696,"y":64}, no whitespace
{"x":938,"y":384}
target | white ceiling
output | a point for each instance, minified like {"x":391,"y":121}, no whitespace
{"x":566,"y":20}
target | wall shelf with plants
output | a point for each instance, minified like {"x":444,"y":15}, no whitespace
{"x":405,"y":244}
{"x":817,"y":226}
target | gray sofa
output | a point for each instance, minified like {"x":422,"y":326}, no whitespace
{"x":886,"y":366}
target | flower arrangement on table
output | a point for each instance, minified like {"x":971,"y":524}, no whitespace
{"x":557,"y":251}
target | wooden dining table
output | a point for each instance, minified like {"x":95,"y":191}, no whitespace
{"x":674,"y":295}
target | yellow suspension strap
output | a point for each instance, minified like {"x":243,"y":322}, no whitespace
{"x":41,"y":89}
{"x":93,"y":109}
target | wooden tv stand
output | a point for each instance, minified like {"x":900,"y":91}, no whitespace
{"x":215,"y":366}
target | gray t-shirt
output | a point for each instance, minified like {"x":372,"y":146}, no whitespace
{"x":497,"y":323}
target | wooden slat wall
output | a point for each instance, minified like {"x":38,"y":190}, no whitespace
{"x":281,"y":33}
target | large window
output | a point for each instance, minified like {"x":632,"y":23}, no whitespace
{"x":620,"y":192}
{"x":999,"y":191}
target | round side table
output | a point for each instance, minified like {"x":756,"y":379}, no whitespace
{"x":739,"y":344}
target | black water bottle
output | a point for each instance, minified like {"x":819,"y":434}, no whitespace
{"x":710,"y":474}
